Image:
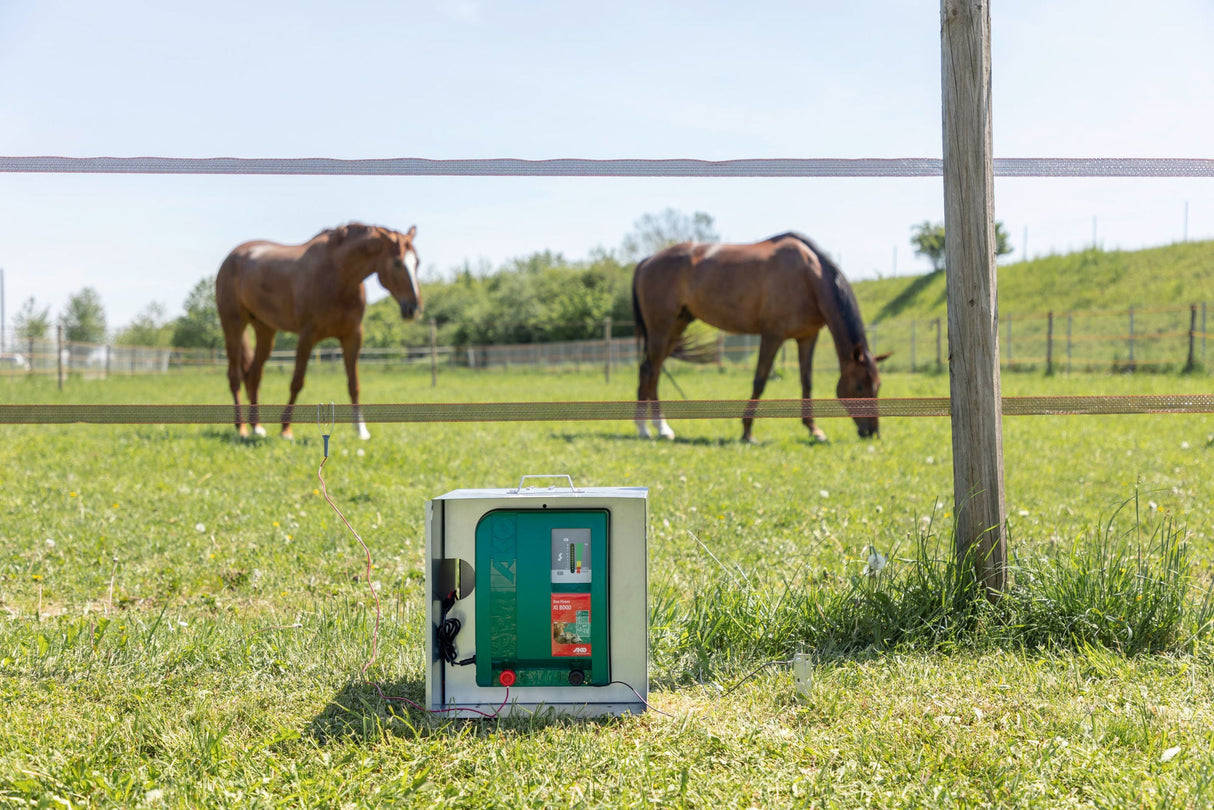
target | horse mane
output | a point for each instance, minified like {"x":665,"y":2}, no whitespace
{"x":844,"y":297}
{"x":336,"y":236}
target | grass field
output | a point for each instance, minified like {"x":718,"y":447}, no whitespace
{"x":185,"y":619}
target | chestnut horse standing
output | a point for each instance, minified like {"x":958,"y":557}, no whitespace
{"x":780,"y":288}
{"x":315,"y":290}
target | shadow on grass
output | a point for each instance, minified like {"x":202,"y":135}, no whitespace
{"x":905,"y":298}
{"x":364,"y":711}
{"x":697,"y":441}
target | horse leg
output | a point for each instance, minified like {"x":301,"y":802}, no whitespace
{"x":657,"y":349}
{"x":647,"y":393}
{"x":302,"y":351}
{"x":350,"y":347}
{"x":252,"y":373}
{"x":768,"y":346}
{"x":237,"y":346}
{"x":805,"y":358}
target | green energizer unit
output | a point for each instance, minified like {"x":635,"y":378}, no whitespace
{"x":543,"y":619}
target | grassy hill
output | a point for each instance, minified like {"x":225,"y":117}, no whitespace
{"x":1173,"y":275}
{"x":1090,"y":293}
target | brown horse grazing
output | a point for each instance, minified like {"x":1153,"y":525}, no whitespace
{"x":315,"y":290}
{"x":780,"y":288}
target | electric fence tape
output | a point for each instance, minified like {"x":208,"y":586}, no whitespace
{"x":620,"y":167}
{"x":43,"y":414}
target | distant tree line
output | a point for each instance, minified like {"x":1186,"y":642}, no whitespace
{"x":537,"y":298}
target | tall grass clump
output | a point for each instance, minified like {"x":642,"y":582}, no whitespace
{"x":1130,"y":592}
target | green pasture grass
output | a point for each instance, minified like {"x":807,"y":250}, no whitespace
{"x":186,"y":621}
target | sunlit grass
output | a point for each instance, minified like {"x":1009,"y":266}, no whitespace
{"x":184,"y":618}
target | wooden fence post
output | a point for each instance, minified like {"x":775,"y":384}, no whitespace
{"x":33,"y":362}
{"x":1192,"y":361}
{"x":1049,"y":345}
{"x":973,"y":326}
{"x":607,"y":344}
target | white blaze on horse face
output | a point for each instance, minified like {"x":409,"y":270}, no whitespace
{"x":411,"y":266}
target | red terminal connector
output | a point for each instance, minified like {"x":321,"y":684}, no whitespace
{"x":507,"y":678}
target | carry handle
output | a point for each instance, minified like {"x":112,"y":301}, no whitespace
{"x":568,"y":479}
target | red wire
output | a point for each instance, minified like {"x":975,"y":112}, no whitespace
{"x":379,"y":614}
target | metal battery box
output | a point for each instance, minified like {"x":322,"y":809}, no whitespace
{"x":547,"y":589}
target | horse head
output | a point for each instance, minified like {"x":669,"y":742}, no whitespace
{"x":398,"y":270}
{"x":860,"y":379}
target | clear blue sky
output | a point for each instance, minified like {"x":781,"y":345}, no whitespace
{"x":475,"y":78}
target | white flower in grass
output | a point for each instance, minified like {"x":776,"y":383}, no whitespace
{"x":1170,"y":754}
{"x":876,"y":562}
{"x":1184,"y":445}
{"x":822,"y":493}
{"x":200,"y":527}
{"x":1154,"y":507}
{"x":50,"y":543}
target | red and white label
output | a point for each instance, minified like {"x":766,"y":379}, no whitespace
{"x":571,"y":624}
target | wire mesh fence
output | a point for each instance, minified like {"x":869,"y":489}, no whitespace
{"x":1147,"y":339}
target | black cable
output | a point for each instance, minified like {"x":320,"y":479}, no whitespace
{"x":638,"y":694}
{"x":751,"y":674}
{"x":445,"y":635}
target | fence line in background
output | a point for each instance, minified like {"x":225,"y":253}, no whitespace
{"x":1139,"y":338}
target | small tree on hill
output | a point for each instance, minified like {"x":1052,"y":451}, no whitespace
{"x":928,"y":240}
{"x":149,"y":328}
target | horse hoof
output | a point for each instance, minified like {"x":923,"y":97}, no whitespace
{"x":749,"y":440}
{"x":816,"y":436}
{"x":286,"y":434}
{"x":363,"y":433}
{"x":258,"y":430}
{"x":243,"y":431}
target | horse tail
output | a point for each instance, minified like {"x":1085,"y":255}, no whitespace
{"x":694,"y":349}
{"x":642,"y":334}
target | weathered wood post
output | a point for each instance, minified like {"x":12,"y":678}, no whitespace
{"x":973,"y":317}
{"x":433,"y":353}
{"x":1049,"y":344}
{"x":607,"y":343}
